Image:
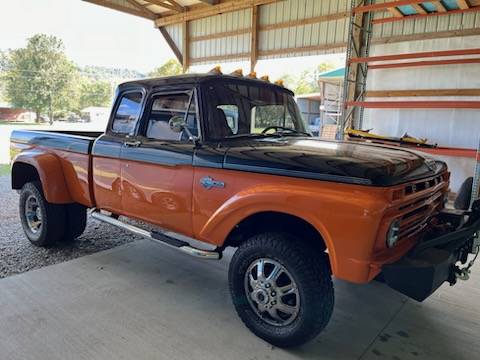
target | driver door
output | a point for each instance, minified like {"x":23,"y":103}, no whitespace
{"x":157,"y":171}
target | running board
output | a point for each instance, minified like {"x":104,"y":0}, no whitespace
{"x":162,"y":237}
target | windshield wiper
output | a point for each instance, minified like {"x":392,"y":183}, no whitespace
{"x":239,"y":136}
{"x":286,"y":131}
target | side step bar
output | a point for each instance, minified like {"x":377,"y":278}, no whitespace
{"x":164,"y":238}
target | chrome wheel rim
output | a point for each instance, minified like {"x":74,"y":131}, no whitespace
{"x":33,"y":214}
{"x":272,"y":292}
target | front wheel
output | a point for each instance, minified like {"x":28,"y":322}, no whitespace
{"x":281,"y":288}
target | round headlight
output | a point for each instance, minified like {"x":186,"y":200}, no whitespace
{"x":393,"y":234}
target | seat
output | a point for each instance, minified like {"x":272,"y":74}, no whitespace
{"x":221,"y":128}
{"x":159,"y":129}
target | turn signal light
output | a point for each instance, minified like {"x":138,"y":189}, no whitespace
{"x":252,"y":75}
{"x":393,"y":234}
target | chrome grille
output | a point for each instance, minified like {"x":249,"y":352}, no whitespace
{"x":416,"y":214}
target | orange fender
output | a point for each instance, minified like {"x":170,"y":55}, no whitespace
{"x":257,"y":200}
{"x":50,"y":172}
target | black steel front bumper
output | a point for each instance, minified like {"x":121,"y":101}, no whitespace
{"x":434,"y":260}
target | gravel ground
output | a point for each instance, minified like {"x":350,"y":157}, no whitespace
{"x":17,"y":255}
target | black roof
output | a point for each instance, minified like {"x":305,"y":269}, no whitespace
{"x":194,"y":79}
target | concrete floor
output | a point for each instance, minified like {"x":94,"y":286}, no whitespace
{"x":144,"y":301}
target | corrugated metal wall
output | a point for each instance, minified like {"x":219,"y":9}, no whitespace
{"x":434,"y":24}
{"x":446,"y":127}
{"x":222,"y":46}
{"x":297,"y":28}
{"x":176,"y":33}
{"x":308,"y":39}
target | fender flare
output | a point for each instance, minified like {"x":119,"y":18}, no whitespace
{"x":50,"y":172}
{"x":248,"y":203}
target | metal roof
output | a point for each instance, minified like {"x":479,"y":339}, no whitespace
{"x":213,"y":31}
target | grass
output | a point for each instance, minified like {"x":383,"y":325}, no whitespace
{"x":4,"y":169}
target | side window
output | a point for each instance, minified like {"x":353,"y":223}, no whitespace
{"x":231,"y":115}
{"x":127,"y":114}
{"x":166,"y":107}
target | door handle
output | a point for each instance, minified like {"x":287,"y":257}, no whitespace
{"x":133,"y":143}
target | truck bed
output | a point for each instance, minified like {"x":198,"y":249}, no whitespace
{"x":72,"y":148}
{"x":78,"y":141}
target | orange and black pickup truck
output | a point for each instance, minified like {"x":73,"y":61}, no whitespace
{"x":212,"y":161}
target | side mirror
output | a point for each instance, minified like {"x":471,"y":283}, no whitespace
{"x":176,"y":123}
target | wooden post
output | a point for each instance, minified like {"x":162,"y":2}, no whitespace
{"x":186,"y":47}
{"x":254,"y":39}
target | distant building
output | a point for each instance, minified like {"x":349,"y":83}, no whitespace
{"x":95,"y":114}
{"x":15,"y":114}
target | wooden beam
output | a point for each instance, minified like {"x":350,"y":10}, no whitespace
{"x":164,"y":4}
{"x":220,"y":35}
{"x":186,"y":47}
{"x":282,"y":25}
{"x":428,"y":35}
{"x":416,"y":104}
{"x":121,"y":8}
{"x":303,"y":49}
{"x":424,"y":63}
{"x":419,"y":9}
{"x":422,"y":92}
{"x":207,"y":11}
{"x":423,"y":16}
{"x":417,"y":55}
{"x":141,"y":8}
{"x":395,"y":12}
{"x":171,"y":44}
{"x":339,"y":46}
{"x":209,"y":2}
{"x":306,"y":21}
{"x":220,"y":58}
{"x":384,"y":6}
{"x":439,"y":6}
{"x":177,"y":6}
{"x":254,"y":39}
{"x":463,"y":4}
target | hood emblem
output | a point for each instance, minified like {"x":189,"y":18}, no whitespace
{"x":208,"y":183}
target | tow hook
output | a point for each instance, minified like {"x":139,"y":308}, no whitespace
{"x":464,"y":273}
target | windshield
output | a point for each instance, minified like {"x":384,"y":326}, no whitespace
{"x":240,"y":109}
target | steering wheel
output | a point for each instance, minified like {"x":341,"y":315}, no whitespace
{"x":274,"y":127}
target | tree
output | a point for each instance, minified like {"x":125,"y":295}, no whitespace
{"x":3,"y":60}
{"x":307,"y":81}
{"x":39,"y":77}
{"x":93,"y":93}
{"x":171,"y":67}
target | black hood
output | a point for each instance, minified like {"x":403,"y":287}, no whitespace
{"x":338,"y":161}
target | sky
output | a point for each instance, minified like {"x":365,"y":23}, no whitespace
{"x":94,"y":35}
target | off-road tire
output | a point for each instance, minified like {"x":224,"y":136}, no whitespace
{"x":310,"y":270}
{"x":53,"y":217}
{"x":462,"y":202}
{"x":76,"y":221}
